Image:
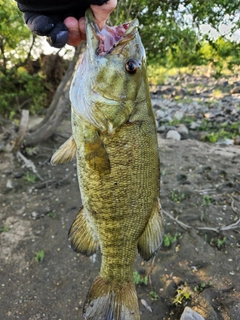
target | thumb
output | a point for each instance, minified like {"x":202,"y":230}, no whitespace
{"x":101,"y":13}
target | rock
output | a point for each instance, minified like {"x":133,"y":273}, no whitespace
{"x":194,"y":125}
{"x":173,"y":134}
{"x":178,"y":115}
{"x":9,"y":184}
{"x":189,"y":314}
{"x":236,"y":140}
{"x":18,"y":174}
{"x":182,"y":129}
{"x":161,"y":129}
{"x":235,"y":90}
{"x":160,"y":114}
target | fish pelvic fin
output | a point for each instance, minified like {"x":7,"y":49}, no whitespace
{"x":108,"y":302}
{"x":152,"y":237}
{"x":65,"y":153}
{"x":82,"y":236}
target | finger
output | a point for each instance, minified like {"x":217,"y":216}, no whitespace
{"x":39,"y":24}
{"x":101,"y":13}
{"x":82,"y":28}
{"x":74,"y":35}
{"x":58,"y":36}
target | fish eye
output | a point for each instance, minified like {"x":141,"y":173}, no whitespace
{"x":132,"y":66}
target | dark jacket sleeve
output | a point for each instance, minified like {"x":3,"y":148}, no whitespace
{"x":63,"y":8}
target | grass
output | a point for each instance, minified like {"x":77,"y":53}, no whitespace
{"x":168,"y":239}
{"x":154,"y":296}
{"x":139,"y":279}
{"x":207,"y":200}
{"x":176,"y":196}
{"x":39,"y":256}
{"x":4,"y":229}
{"x":52,"y":214}
{"x":182,"y":294}
{"x":30,"y":177}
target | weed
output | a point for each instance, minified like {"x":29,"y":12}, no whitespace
{"x":182,"y":294}
{"x":207,"y":200}
{"x":4,"y":229}
{"x":168,"y":239}
{"x":30,"y":177}
{"x":202,"y":286}
{"x":154,"y":296}
{"x":31,"y":151}
{"x":52,"y":214}
{"x":139,"y":279}
{"x":219,"y":243}
{"x":39,"y":256}
{"x":176,"y":196}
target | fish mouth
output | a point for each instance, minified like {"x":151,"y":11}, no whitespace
{"x":109,"y":37}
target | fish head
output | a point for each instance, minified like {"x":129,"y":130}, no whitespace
{"x":106,"y":87}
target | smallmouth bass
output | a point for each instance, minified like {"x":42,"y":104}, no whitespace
{"x":115,"y":142}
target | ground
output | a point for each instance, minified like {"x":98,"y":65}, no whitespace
{"x":42,"y":278}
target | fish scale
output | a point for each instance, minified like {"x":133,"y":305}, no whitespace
{"x":115,"y":140}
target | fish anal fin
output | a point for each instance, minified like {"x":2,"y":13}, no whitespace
{"x":96,"y":155}
{"x":152,"y":237}
{"x":108,"y":302}
{"x":82,"y":236}
{"x":65,"y":153}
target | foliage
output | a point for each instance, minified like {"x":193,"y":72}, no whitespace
{"x":4,"y":229}
{"x":39,"y":256}
{"x":13,"y":49}
{"x":30,"y":177}
{"x":18,"y":86}
{"x":154,"y":296}
{"x":139,"y":279}
{"x":170,"y":29}
{"x":168,"y":239}
{"x":21,"y":89}
{"x":182,"y":294}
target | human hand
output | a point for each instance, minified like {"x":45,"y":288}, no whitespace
{"x":64,"y":23}
{"x":76,"y":28}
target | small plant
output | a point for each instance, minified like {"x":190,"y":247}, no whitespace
{"x":139,"y":279}
{"x":31,"y":151}
{"x":182,"y":294}
{"x":39,"y":256}
{"x":207,"y":200}
{"x":219,"y":243}
{"x":30,"y":177}
{"x":154,"y":296}
{"x":4,"y":229}
{"x":52,"y":214}
{"x":168,"y":239}
{"x":202,"y":286}
{"x":176,"y":196}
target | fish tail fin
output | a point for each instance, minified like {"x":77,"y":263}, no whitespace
{"x":108,"y":302}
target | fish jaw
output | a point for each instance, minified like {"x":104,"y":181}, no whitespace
{"x":103,"y":92}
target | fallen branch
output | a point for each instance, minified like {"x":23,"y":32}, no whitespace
{"x":28,"y":164}
{"x":22,"y":130}
{"x":217,"y":229}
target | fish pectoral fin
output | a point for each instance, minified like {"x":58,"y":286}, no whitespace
{"x":96,"y":155}
{"x":83,"y":238}
{"x":65,"y":153}
{"x":152,"y":237}
{"x":108,"y":302}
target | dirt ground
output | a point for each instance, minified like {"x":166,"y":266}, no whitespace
{"x":42,"y":278}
